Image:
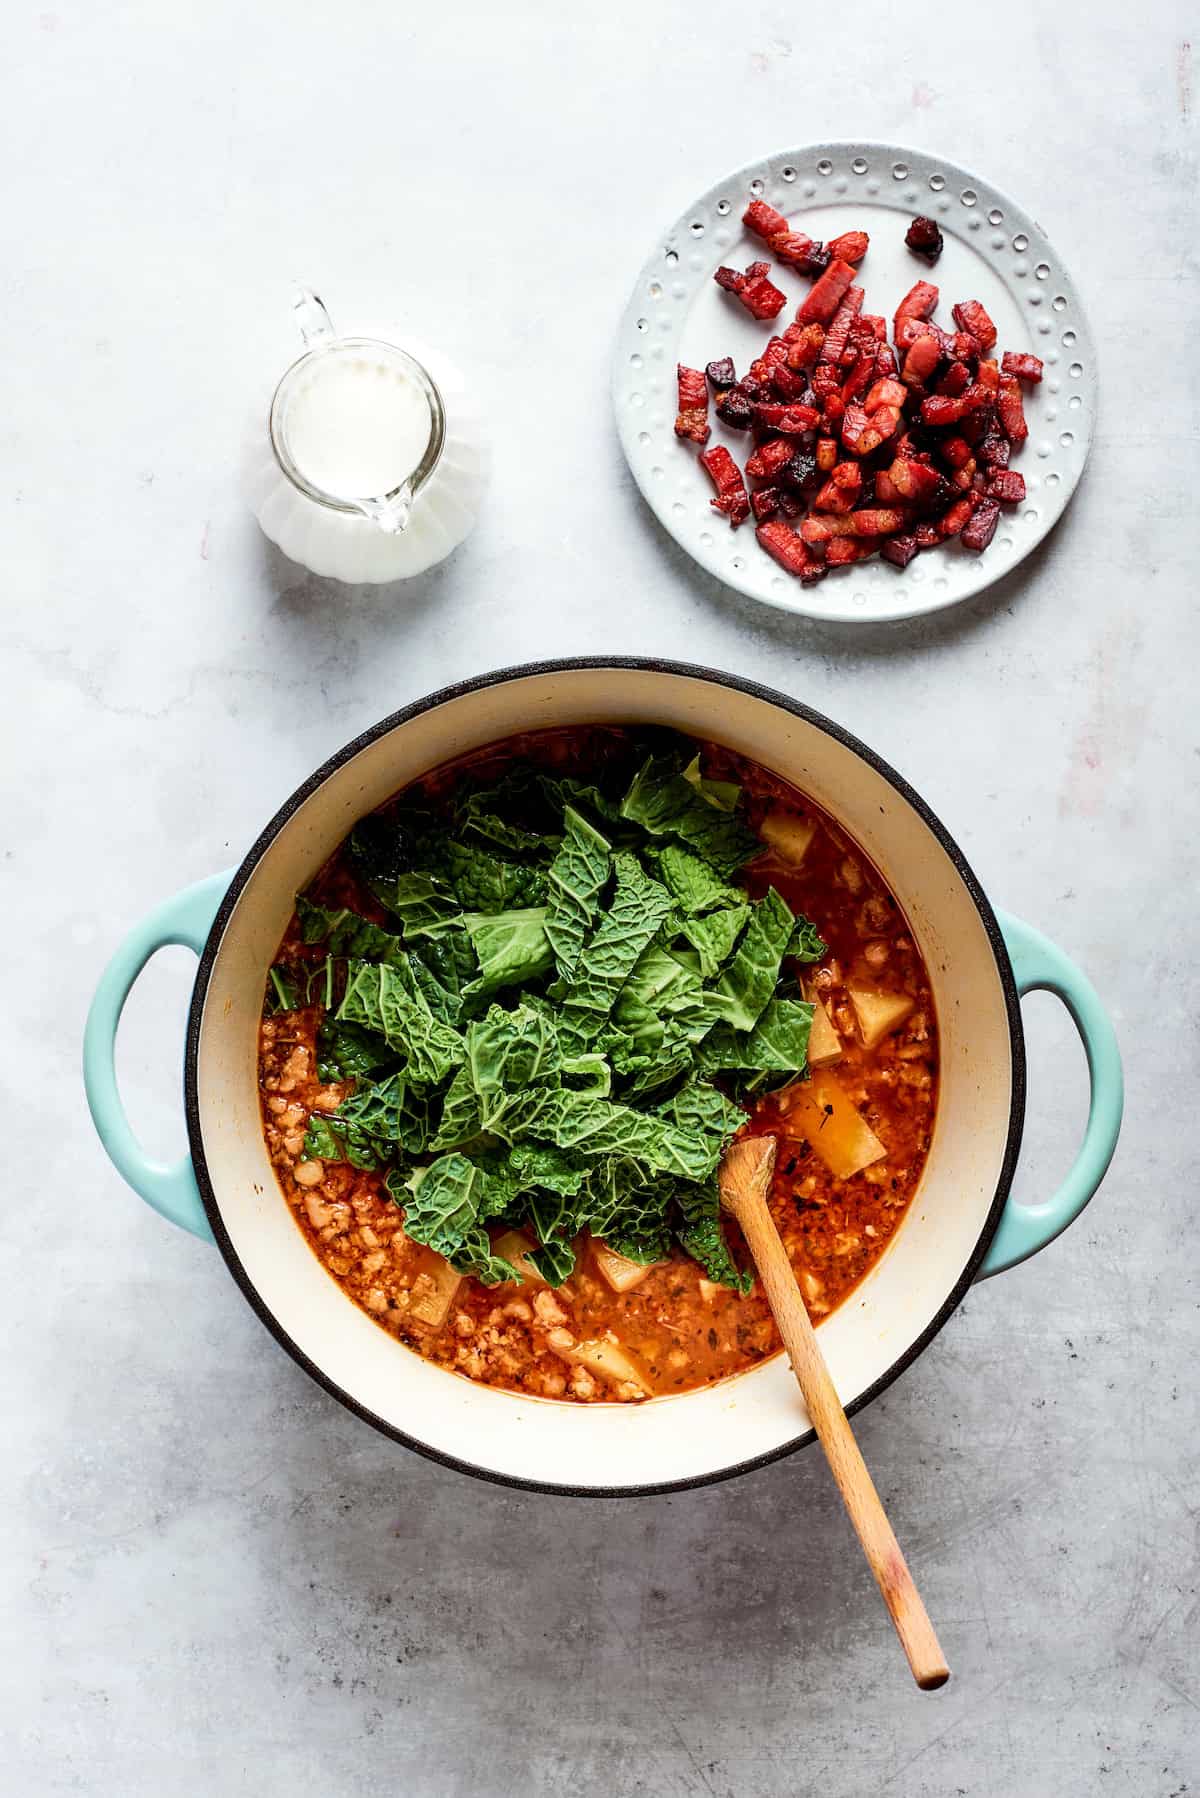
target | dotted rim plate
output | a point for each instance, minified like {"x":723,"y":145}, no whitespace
{"x":1019,"y":260}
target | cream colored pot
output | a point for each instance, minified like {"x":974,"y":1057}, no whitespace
{"x":961,"y":1224}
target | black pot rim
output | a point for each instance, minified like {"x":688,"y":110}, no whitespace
{"x":567,"y":665}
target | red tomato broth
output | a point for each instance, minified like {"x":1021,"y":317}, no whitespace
{"x":678,"y":1330}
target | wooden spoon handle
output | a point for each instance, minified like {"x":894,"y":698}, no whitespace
{"x":887,"y":1563}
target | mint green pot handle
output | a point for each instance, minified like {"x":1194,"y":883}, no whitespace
{"x":1040,"y":966}
{"x":185,"y":919}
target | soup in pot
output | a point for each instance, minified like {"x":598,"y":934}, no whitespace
{"x":519,"y":1014}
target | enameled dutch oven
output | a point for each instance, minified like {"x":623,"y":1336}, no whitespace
{"x":960,"y":1227}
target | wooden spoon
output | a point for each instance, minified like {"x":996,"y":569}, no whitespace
{"x":745,"y":1183}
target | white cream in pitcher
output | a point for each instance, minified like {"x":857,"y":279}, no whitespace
{"x":373,"y":464}
{"x":358,"y":424}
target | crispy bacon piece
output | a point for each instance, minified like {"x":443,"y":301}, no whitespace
{"x":989,"y":376}
{"x":764,"y":366}
{"x":956,"y":380}
{"x":964,"y":477}
{"x":848,"y":549}
{"x":721,"y":374}
{"x":925,"y":239}
{"x":1007,"y":486}
{"x":781,"y":542}
{"x":900,"y":550}
{"x":954,"y":451}
{"x":725,"y":475}
{"x":918,"y":304}
{"x":936,"y":411}
{"x":981,"y":528}
{"x":827,"y":294}
{"x":1026,"y":368}
{"x":804,"y":254}
{"x":851,"y":246}
{"x":764,"y":503}
{"x":879,"y":521}
{"x":763,"y":220}
{"x":855,"y":425}
{"x":970,"y":316}
{"x":977,"y":424}
{"x":842,"y":491}
{"x":789,"y":421}
{"x":885,"y":360}
{"x":799,"y":471}
{"x":789,"y":383}
{"x":692,"y":422}
{"x":922,"y":357}
{"x":859,"y":378}
{"x":863,"y":432}
{"x":827,"y":454}
{"x":953,"y":521}
{"x":838,"y":335}
{"x":995,"y":451}
{"x":769,"y":458}
{"x":758,"y":294}
{"x":1011,"y":409}
{"x":926,"y":535}
{"x":915,"y":482}
{"x":823,"y":527}
{"x":826,"y":380}
{"x":805,"y":343}
{"x":735,"y":408}
{"x":887,"y":392}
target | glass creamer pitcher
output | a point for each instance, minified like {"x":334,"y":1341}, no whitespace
{"x":373,"y":463}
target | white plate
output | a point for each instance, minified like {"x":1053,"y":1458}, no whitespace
{"x":994,"y":252}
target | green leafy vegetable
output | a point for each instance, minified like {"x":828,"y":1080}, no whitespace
{"x":702,"y":1235}
{"x":636,"y":910}
{"x":724,"y":794}
{"x":806,"y":942}
{"x":778,"y":1043}
{"x":282,"y":991}
{"x":345,"y":934}
{"x":387,"y":1000}
{"x":511,"y":946}
{"x":577,"y":876}
{"x":664,"y":803}
{"x":752,"y":975}
{"x":549,"y":1030}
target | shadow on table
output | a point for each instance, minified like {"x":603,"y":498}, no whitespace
{"x":868,"y":640}
{"x":410,"y":1575}
{"x":317,"y":607}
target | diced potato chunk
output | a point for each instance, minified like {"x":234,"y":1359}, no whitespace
{"x":434,"y":1291}
{"x":517,"y":1248}
{"x":879,"y":1013}
{"x":824,"y":1043}
{"x":621,"y":1274}
{"x":788,"y":834}
{"x":610,"y":1361}
{"x":833,"y":1125}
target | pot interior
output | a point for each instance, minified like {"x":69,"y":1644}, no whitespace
{"x":696,"y":1435}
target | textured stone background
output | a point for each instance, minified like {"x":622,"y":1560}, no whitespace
{"x":217,"y":1581}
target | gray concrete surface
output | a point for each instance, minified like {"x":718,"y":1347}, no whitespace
{"x":216,"y":1580}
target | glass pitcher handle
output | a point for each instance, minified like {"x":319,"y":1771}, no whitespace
{"x":315,"y":324}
